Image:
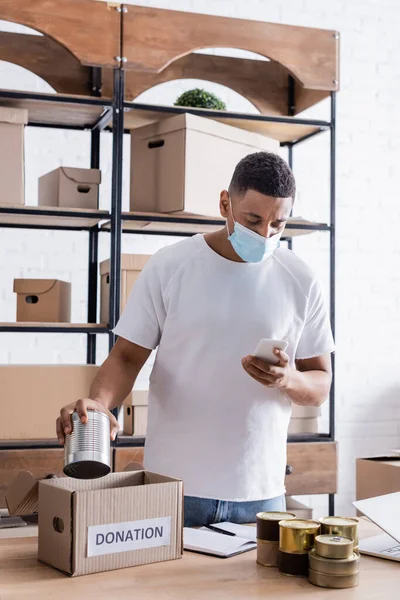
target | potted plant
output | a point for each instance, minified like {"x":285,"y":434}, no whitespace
{"x":198,"y":98}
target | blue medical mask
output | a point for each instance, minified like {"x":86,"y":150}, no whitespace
{"x":251,"y":246}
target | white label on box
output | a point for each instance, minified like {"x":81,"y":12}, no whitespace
{"x":132,"y":535}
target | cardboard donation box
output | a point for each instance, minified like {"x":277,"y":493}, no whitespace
{"x":70,"y":188}
{"x":184,"y":162}
{"x":43,"y":300}
{"x":121,"y":520}
{"x":304,"y":419}
{"x":131,"y":266}
{"x":12,"y":167}
{"x":135,"y":413}
{"x":32,"y":396}
{"x":377,"y":476}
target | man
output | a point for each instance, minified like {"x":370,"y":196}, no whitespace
{"x":218,"y":417}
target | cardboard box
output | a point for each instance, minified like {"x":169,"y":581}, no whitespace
{"x":121,"y":520}
{"x":43,"y":300}
{"x":12,"y":167}
{"x":184,"y":162}
{"x":32,"y":396}
{"x":303,"y":425}
{"x":22,"y":497}
{"x":70,"y":188}
{"x":305,"y":412}
{"x":302,"y":511}
{"x":135,"y":413}
{"x":377,"y":476}
{"x":131,"y":266}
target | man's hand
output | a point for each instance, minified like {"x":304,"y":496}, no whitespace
{"x":307,"y":385}
{"x":64,"y":421}
{"x":276,"y":376}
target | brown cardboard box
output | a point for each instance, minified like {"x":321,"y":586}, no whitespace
{"x":70,"y":188}
{"x":22,"y":495}
{"x":309,"y":425}
{"x":43,"y":300}
{"x":184,"y":162}
{"x":121,"y":520}
{"x":302,"y":511}
{"x":12,"y":167}
{"x":131,"y":266}
{"x":377,"y":476}
{"x":32,"y":396}
{"x":135,"y":413}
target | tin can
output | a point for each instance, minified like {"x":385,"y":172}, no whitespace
{"x":331,"y":566}
{"x":268,"y":524}
{"x":333,"y":581}
{"x":267,"y":553}
{"x":87,"y":448}
{"x":334,"y":546}
{"x":344,"y":526}
{"x":297,"y":535}
{"x":293,"y":564}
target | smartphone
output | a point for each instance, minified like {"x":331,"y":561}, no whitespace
{"x":265,"y":350}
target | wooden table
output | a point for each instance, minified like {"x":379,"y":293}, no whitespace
{"x":192,"y":578}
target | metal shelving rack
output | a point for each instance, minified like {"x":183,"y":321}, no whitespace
{"x":95,"y":113}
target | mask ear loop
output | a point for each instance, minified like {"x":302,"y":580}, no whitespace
{"x":233,"y":218}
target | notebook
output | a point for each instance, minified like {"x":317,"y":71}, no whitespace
{"x":230,"y":540}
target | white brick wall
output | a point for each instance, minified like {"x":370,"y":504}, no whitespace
{"x":368,"y":213}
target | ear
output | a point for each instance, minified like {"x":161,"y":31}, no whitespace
{"x":224,"y":203}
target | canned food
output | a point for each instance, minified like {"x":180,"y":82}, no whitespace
{"x":293,"y":564}
{"x":87,"y":448}
{"x":297,"y":535}
{"x":331,"y":566}
{"x":267,"y":553}
{"x":268,"y":524}
{"x":333,"y":581}
{"x":344,"y":526}
{"x":333,"y":546}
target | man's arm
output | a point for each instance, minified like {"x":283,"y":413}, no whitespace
{"x":118,"y":373}
{"x":307,"y":385}
{"x":111,"y":386}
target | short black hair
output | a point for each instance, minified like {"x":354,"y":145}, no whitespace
{"x":266,"y":173}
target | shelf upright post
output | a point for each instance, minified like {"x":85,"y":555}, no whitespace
{"x":291,"y":111}
{"x":95,"y":90}
{"x":116,"y":201}
{"x":290,"y":163}
{"x":332,"y":271}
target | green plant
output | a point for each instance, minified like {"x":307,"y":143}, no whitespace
{"x":198,"y":98}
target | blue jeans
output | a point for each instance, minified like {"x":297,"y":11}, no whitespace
{"x":201,"y":511}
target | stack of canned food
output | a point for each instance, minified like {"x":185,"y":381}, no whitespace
{"x":335,"y":561}
{"x":268,"y":536}
{"x":326,"y":550}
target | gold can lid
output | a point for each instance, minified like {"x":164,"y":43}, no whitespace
{"x":276,"y":516}
{"x":339,"y":521}
{"x":299,"y":524}
{"x":333,"y":540}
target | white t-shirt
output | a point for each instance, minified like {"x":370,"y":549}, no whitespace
{"x":209,"y":422}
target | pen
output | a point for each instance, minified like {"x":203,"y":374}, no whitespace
{"x":217,"y":530}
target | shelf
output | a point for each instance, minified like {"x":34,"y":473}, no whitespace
{"x":53,"y":328}
{"x":130,"y":441}
{"x":189,"y":224}
{"x":284,"y":129}
{"x":42,"y":217}
{"x":61,"y":111}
